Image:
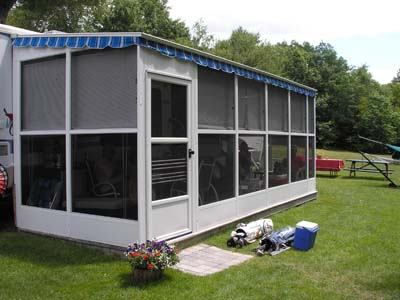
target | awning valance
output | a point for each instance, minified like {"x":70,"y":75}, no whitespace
{"x":115,"y":41}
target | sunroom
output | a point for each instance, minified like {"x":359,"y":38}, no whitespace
{"x":124,"y":136}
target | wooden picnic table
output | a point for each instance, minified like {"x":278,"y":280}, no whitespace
{"x":363,"y":165}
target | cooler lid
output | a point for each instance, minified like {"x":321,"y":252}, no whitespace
{"x":307,"y":224}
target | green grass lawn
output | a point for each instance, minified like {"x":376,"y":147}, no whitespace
{"x":356,"y":256}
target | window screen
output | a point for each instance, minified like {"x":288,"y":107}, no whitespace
{"x":104,"y":89}
{"x":216,"y":167}
{"x":43,"y":94}
{"x":311,"y":117}
{"x":251,"y":163}
{"x":168,"y":110}
{"x":251,"y":104}
{"x":311,"y":157}
{"x":298,"y":112}
{"x":299,"y":158}
{"x":216,"y":99}
{"x":278,"y":160}
{"x":43,"y":171}
{"x":104,"y":175}
{"x":277,"y":109}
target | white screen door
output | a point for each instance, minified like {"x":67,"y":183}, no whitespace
{"x":169,"y":189}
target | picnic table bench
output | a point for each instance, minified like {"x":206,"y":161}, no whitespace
{"x":365,"y":166}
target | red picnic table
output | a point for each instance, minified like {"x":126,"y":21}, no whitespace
{"x":329,"y":164}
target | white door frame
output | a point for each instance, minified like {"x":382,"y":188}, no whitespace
{"x":150,"y":205}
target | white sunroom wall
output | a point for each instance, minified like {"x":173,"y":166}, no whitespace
{"x":65,"y":222}
{"x":279,"y":118}
{"x":151,"y":63}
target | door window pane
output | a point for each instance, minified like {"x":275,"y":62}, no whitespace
{"x":104,"y":175}
{"x":251,"y":104}
{"x":216,"y":99}
{"x":216,"y":167}
{"x":43,"y":171}
{"x":311,"y":116}
{"x":311,"y":157}
{"x":277,"y":109}
{"x":169,"y":170}
{"x":43,"y":94}
{"x":278,"y":160}
{"x":168,"y":109}
{"x":251,"y":163}
{"x":298,"y":157}
{"x":298,"y":112}
{"x":103,"y":87}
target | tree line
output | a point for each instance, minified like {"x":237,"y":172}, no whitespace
{"x":349,"y":102}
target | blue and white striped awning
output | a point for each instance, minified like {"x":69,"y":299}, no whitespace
{"x":115,"y":41}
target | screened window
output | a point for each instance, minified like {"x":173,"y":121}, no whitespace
{"x":251,"y":104}
{"x":216,"y":99}
{"x":43,"y":171}
{"x":278,"y":160}
{"x":311,"y":157}
{"x":298,"y":112}
{"x":298,"y":155}
{"x":104,"y":175}
{"x":251,"y":163}
{"x":169,"y":170}
{"x":168,"y":110}
{"x":216,"y":167}
{"x":104,"y":89}
{"x":277,"y":109}
{"x":311,"y":116}
{"x":43,"y":94}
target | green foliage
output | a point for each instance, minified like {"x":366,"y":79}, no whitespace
{"x":61,"y":15}
{"x":149,"y":16}
{"x":5,"y":7}
{"x":396,"y":79}
{"x":240,"y":47}
{"x":200,"y":38}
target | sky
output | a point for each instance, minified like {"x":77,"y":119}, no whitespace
{"x":362,"y":32}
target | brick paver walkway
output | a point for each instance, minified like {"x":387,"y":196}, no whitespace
{"x":204,"y":260}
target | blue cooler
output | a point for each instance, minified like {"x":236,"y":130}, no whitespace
{"x":305,"y":234}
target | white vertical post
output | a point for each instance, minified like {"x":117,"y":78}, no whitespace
{"x":266,"y":164}
{"x":289,"y":138}
{"x":315,"y":135}
{"x":307,"y":140}
{"x":144,"y":203}
{"x":194,"y":197}
{"x":68,"y":143}
{"x":190,"y":161}
{"x":236,"y":126}
{"x":17,"y":137}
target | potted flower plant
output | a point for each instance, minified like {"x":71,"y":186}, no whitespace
{"x":150,"y":259}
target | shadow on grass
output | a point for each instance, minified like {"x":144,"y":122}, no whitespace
{"x":6,"y":215}
{"x":126,"y":282}
{"x":48,"y":251}
{"x":328,"y":176}
{"x":389,"y":284}
{"x":377,"y":178}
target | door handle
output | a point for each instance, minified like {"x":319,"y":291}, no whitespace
{"x":190,"y":152}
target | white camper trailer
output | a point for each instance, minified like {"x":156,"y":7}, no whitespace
{"x":125,"y":136}
{"x":6,"y":115}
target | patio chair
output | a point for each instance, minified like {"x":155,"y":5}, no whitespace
{"x":206,"y":171}
{"x":100,"y":189}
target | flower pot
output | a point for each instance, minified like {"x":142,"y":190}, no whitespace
{"x":145,"y":276}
